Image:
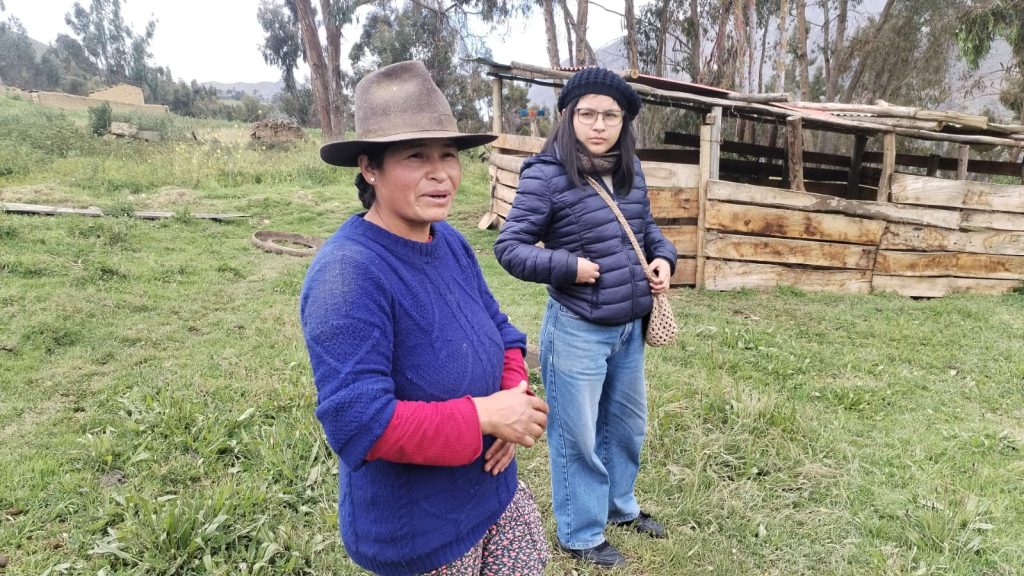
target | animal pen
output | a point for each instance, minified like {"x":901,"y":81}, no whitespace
{"x":766,"y":215}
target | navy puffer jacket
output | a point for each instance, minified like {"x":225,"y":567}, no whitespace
{"x":575,"y":222}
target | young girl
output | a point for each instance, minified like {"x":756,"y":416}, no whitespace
{"x":591,"y":341}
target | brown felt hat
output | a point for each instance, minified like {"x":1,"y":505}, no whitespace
{"x":399,"y":102}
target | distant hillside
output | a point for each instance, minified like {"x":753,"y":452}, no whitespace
{"x":264,"y":90}
{"x":39,"y":47}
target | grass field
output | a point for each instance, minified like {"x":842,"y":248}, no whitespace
{"x":156,"y":406}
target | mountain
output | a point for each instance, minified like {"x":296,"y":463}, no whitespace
{"x":262,"y":90}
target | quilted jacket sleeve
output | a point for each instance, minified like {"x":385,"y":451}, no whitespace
{"x":527,"y":224}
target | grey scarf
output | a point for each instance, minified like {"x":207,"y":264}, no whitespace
{"x":596,"y":165}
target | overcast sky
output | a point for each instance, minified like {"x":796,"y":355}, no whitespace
{"x":218,"y":40}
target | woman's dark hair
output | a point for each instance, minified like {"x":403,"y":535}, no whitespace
{"x":375,"y":156}
{"x":562,"y":143}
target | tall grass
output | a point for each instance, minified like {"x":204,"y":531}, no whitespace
{"x":156,"y":401}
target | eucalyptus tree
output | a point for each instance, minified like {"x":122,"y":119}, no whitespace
{"x":117,"y":51}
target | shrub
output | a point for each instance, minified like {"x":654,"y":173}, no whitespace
{"x":99,"y":119}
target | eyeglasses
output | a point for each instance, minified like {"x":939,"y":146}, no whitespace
{"x":588,"y":116}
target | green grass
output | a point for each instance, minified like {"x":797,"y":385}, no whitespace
{"x":156,"y":405}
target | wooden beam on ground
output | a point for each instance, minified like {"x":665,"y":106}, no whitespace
{"x":795,"y":152}
{"x":43,"y":210}
{"x":929,"y":239}
{"x":962,"y":158}
{"x":888,"y":167}
{"x":853,"y":182}
{"x":787,"y":251}
{"x":780,"y":198}
{"x":153,"y":215}
{"x":792,"y":223}
{"x":729,"y":275}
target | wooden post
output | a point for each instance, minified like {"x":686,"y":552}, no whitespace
{"x":716,"y":140}
{"x":853,"y":182}
{"x":888,"y":166}
{"x":963,"y":156}
{"x":795,"y":152}
{"x":708,"y":170}
{"x":496,"y":105}
{"x":933,"y":164}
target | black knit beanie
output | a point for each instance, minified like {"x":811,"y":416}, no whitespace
{"x":595,"y":80}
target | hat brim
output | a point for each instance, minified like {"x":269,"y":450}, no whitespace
{"x":346,"y":152}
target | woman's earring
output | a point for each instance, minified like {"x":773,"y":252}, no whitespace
{"x":372,"y":180}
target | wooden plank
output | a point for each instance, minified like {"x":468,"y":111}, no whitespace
{"x":776,"y":197}
{"x":501,"y":208}
{"x":510,"y":179}
{"x":488,"y":220}
{"x":496,"y":105}
{"x":992,"y":220}
{"x":888,"y":166}
{"x":150,"y":215}
{"x":853,"y":182}
{"x":938,"y":287}
{"x":786,"y":251}
{"x":669,"y":175}
{"x":522,"y":144}
{"x":673,"y":202}
{"x":962,"y":158}
{"x":922,"y":190}
{"x":728,"y":275}
{"x":43,"y":210}
{"x":704,"y":177}
{"x":714,"y":119}
{"x":684,"y":238}
{"x":930,"y":239}
{"x":950,"y":264}
{"x":686,"y":272}
{"x":792,"y":224}
{"x":508,"y":162}
{"x":504,"y":193}
{"x":795,"y":152}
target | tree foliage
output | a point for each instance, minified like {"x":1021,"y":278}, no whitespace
{"x":979,"y":26}
{"x":118,"y":52}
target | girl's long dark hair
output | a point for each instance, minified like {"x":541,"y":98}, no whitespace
{"x":562,"y":144}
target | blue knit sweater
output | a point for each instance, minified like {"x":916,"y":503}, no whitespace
{"x":388,"y":319}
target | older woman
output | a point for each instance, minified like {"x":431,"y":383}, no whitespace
{"x":420,"y":376}
{"x":591,"y":338}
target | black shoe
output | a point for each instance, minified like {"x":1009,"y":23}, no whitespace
{"x":646,"y":525}
{"x":604,"y":555}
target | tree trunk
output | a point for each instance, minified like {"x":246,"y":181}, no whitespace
{"x":782,"y":54}
{"x":801,"y":48}
{"x":317,"y":68}
{"x":634,"y":60}
{"x":551,"y":33}
{"x":569,"y":29}
{"x":764,"y":51}
{"x":662,"y":39}
{"x":332,"y":28}
{"x":865,"y":53}
{"x":695,"y":68}
{"x":839,"y":59}
{"x":717,"y":52}
{"x":739,"y":24}
{"x":826,"y":40}
{"x":584,"y":53}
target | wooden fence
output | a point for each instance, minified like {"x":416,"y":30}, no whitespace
{"x":931,"y":238}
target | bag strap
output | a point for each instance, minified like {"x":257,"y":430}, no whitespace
{"x":625,"y":225}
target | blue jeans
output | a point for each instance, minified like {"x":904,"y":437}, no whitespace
{"x":594,"y":382}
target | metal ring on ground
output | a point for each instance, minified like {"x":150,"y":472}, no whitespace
{"x":270,"y":241}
